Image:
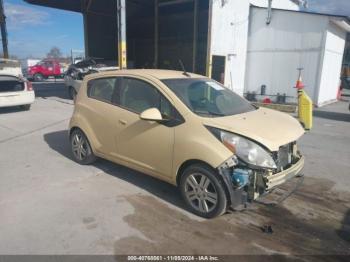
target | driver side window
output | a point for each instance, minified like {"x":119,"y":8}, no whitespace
{"x":137,"y":96}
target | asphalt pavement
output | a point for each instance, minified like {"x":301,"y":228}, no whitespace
{"x":51,"y":205}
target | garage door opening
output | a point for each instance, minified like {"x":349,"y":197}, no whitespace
{"x":218,"y":68}
{"x":162,"y":32}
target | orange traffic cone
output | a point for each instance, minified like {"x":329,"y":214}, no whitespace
{"x":299,"y":84}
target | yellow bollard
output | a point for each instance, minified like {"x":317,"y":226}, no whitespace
{"x":305,"y":109}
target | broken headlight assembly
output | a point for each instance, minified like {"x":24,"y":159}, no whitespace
{"x":245,"y":150}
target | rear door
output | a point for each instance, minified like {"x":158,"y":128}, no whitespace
{"x":146,"y":145}
{"x":100,"y":113}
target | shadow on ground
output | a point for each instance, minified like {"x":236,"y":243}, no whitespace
{"x":344,"y":232}
{"x":59,"y":141}
{"x":9,"y":110}
{"x":332,"y":116}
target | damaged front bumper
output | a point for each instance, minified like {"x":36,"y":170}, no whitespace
{"x":260,"y":182}
{"x":274,"y":180}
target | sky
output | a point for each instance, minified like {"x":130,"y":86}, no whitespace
{"x":33,"y":30}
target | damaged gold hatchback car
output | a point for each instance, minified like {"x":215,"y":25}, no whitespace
{"x":187,"y":130}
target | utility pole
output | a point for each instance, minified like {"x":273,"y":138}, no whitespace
{"x":3,"y":30}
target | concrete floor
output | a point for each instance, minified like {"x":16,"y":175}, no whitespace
{"x":51,"y":205}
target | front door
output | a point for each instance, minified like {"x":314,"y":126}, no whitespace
{"x":146,"y":145}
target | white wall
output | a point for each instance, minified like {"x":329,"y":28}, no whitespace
{"x":260,"y":54}
{"x":275,"y":51}
{"x":332,"y":63}
{"x":279,"y":4}
{"x":229,"y":34}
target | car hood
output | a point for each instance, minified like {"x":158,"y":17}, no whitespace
{"x":265,"y":126}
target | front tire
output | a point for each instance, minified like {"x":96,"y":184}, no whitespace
{"x":72,"y":93}
{"x":38,"y":77}
{"x":81,"y":148}
{"x":203,"y":191}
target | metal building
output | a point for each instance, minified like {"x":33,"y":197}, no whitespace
{"x":294,"y":40}
{"x":151,"y":33}
{"x":228,"y":40}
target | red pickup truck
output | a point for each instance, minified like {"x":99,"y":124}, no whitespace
{"x":45,"y":69}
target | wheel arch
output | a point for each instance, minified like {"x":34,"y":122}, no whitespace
{"x":190,"y":162}
{"x":75,"y":127}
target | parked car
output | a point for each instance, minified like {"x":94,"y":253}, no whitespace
{"x":189,"y":131}
{"x":15,"y":90}
{"x":45,"y":69}
{"x":76,"y":73}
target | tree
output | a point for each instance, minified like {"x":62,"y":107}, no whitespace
{"x":55,"y":52}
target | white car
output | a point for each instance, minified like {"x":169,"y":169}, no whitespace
{"x":15,"y":90}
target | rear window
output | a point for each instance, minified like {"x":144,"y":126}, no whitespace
{"x":9,"y":63}
{"x":10,"y":84}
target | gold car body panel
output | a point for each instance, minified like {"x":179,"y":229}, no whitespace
{"x":265,"y":126}
{"x":160,"y":151}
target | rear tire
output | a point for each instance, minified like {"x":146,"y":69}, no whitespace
{"x":38,"y":77}
{"x":72,"y":93}
{"x":81,"y":148}
{"x":25,"y":107}
{"x":203,"y":191}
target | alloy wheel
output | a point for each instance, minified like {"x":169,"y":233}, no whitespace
{"x":201,"y":193}
{"x":80,"y":146}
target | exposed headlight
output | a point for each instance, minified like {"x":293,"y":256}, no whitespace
{"x":246,"y":150}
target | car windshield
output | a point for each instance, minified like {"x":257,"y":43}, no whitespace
{"x":206,"y":97}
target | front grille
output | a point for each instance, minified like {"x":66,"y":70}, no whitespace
{"x":284,"y":156}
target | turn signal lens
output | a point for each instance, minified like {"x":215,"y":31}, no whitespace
{"x":230,"y":146}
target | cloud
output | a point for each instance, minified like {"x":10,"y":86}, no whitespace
{"x":20,"y":16}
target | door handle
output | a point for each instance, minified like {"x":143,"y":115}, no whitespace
{"x":123,"y":122}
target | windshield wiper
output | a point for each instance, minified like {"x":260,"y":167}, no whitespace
{"x":211,"y":113}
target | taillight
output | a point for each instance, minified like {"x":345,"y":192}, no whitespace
{"x":29,"y":86}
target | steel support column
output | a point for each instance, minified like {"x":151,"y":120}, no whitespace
{"x":122,"y":49}
{"x":209,"y":58}
{"x":195,"y":35}
{"x":156,"y":33}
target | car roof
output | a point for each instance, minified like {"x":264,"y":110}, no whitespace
{"x":156,"y":73}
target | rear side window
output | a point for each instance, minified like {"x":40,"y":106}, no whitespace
{"x":102,"y":89}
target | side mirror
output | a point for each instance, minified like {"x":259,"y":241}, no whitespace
{"x":151,"y":114}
